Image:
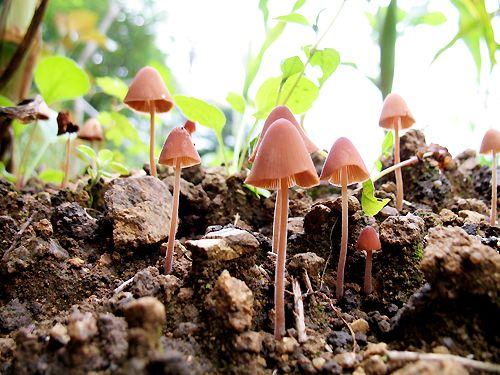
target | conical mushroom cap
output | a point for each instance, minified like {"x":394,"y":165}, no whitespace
{"x":368,"y":240}
{"x":491,"y":142}
{"x":148,"y":87}
{"x":190,"y":126}
{"x":344,"y":154}
{"x":179,"y":146}
{"x":91,"y":130}
{"x":395,"y":107}
{"x":282,"y":111}
{"x":282,"y":155}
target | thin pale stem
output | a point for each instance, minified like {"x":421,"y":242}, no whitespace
{"x":368,"y":272}
{"x":66,"y":165}
{"x":494,"y":201}
{"x":399,"y":175}
{"x":152,"y":162}
{"x":276,"y":221}
{"x":345,"y":233}
{"x":24,"y":157}
{"x":173,"y":219}
{"x":279,"y":291}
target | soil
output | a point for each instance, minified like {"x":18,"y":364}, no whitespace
{"x":436,"y":279}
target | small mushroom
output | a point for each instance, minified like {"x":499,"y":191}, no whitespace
{"x":65,"y":125}
{"x":148,"y":94}
{"x":343,"y":166}
{"x":396,"y":116}
{"x":491,"y":144}
{"x":368,"y":241}
{"x":178,"y":152}
{"x":284,"y":113}
{"x":190,"y":126}
{"x":282,"y":161}
{"x":91,"y":131}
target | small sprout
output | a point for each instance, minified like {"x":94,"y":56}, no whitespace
{"x":282,"y":161}
{"x":65,"y":125}
{"x":396,"y":116}
{"x":178,"y":152}
{"x":343,"y":167}
{"x":148,"y":94}
{"x":368,"y":241}
{"x":491,"y":144}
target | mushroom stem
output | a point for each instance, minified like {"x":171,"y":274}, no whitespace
{"x":494,"y":202}
{"x":368,"y":272}
{"x":399,"y":175}
{"x":276,"y":222}
{"x":152,"y":163}
{"x":343,"y":241}
{"x":24,"y":157}
{"x":173,"y":219}
{"x":279,"y":282}
{"x":66,"y":165}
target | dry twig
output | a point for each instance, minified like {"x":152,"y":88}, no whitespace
{"x":299,"y":311}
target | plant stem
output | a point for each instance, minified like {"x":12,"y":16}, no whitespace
{"x":223,"y":151}
{"x":66,"y":165}
{"x":276,"y":221}
{"x":20,"y":168}
{"x":246,"y":144}
{"x":410,"y":161}
{"x":399,"y":175}
{"x":345,"y":232}
{"x":173,"y":219}
{"x":368,"y":272}
{"x":494,"y":201}
{"x":152,"y":162}
{"x":279,"y":282}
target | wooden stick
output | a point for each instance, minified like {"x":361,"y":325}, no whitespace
{"x":173,"y":219}
{"x":299,"y":311}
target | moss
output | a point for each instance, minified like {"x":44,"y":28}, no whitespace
{"x":419,"y":252}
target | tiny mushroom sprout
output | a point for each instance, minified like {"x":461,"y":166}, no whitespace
{"x":282,"y":161}
{"x":148,"y":94}
{"x":491,"y":145}
{"x":368,"y":241}
{"x":91,"y":131}
{"x":65,"y":125}
{"x":343,"y":166}
{"x":396,"y":116}
{"x":284,"y":113}
{"x":178,"y":152}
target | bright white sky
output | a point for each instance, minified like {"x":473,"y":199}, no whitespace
{"x":444,"y":96}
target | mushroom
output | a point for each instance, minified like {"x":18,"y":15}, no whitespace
{"x":343,"y":167}
{"x":190,"y":126}
{"x":396,"y":116}
{"x":65,"y":125}
{"x":368,"y":241}
{"x":284,"y":113}
{"x":91,"y":131}
{"x":282,"y":161}
{"x":148,"y":94}
{"x":178,"y":152}
{"x":491,"y":144}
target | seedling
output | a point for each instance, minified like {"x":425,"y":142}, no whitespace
{"x":148,"y":94}
{"x":369,"y":242}
{"x":491,"y":144}
{"x":396,"y":116}
{"x":65,"y":125}
{"x":282,"y":161}
{"x":178,"y":152}
{"x":343,"y":167}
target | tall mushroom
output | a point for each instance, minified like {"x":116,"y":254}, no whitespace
{"x":491,"y":144}
{"x":65,"y":125}
{"x":368,"y":241}
{"x":178,"y":152}
{"x":282,"y":161}
{"x":283,"y":112}
{"x":343,"y":166}
{"x":148,"y":94}
{"x":396,"y":116}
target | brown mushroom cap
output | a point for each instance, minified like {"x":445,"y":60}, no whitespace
{"x":491,"y":142}
{"x":368,"y":240}
{"x":190,"y":126}
{"x":282,"y":111}
{"x":344,"y":154}
{"x":179,"y":145}
{"x":91,"y":130}
{"x":395,"y":107}
{"x":282,"y":154}
{"x":148,"y":87}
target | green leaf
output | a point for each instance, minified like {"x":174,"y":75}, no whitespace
{"x":87,"y":152}
{"x":258,"y":191}
{"x":387,"y":144}
{"x":104,"y":157}
{"x":265,"y":98}
{"x":8,"y":176}
{"x":119,"y":130}
{"x":299,"y":96}
{"x":294,"y":18}
{"x":5,"y":102}
{"x":388,"y":38}
{"x":113,"y":86}
{"x":298,"y":4}
{"x":370,"y":204}
{"x":59,"y":78}
{"x":430,"y":18}
{"x":236,"y":101}
{"x":291,"y":66}
{"x":327,"y":59}
{"x":264,"y":9}
{"x":119,"y":168}
{"x":54,"y":176}
{"x":201,"y":112}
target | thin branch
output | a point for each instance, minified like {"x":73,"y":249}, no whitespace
{"x":299,"y":311}
{"x":123,"y":285}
